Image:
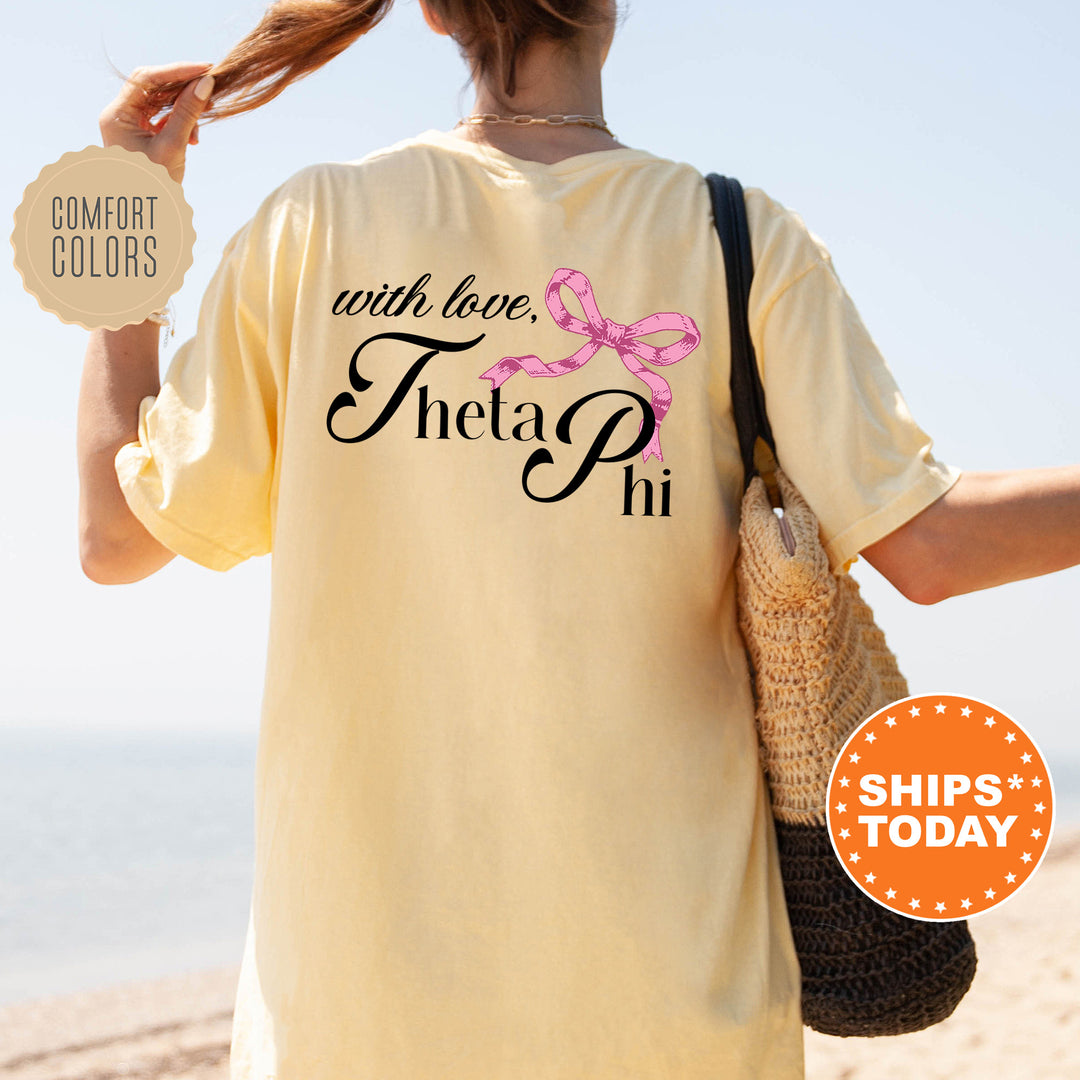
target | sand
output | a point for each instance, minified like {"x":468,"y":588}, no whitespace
{"x":177,"y":1027}
{"x":1021,"y":1018}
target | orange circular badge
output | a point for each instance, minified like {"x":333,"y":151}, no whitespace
{"x":940,"y":807}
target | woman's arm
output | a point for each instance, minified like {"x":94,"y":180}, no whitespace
{"x":989,"y":528}
{"x":121,"y":366}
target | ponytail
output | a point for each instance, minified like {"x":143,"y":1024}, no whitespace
{"x":295,"y":37}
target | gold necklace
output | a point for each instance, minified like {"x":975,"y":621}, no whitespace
{"x":555,"y":120}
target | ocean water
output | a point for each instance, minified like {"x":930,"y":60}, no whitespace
{"x":128,"y":856}
{"x":122,"y":856}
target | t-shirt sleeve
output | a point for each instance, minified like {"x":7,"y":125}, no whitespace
{"x":844,"y":434}
{"x":200,"y":477}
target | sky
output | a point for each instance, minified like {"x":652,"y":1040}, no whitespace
{"x":931,"y":145}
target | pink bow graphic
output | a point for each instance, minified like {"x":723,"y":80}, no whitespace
{"x":601,"y":332}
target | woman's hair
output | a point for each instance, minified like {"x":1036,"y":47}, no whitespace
{"x":295,"y":37}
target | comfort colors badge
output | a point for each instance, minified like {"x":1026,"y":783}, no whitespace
{"x":940,"y":807}
{"x":103,"y":237}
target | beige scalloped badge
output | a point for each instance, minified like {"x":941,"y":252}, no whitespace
{"x":103,"y":237}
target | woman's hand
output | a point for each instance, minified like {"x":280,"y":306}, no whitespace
{"x":129,"y":120}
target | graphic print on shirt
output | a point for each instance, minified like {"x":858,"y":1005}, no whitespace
{"x":604,"y":447}
{"x":602,"y":331}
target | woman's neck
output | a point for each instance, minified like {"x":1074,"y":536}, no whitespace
{"x":550,"y":81}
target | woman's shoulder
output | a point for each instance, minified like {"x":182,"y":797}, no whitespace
{"x":784,"y":248}
{"x":374,"y":164}
{"x":313,"y":187}
{"x":310,"y":179}
{"x":778,"y":233}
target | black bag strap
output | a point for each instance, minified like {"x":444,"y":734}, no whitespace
{"x":747,"y":393}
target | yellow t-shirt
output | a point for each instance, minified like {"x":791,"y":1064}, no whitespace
{"x":510,"y":823}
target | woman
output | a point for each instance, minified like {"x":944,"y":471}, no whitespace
{"x":509,"y":819}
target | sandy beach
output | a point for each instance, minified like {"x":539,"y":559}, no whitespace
{"x":1021,"y":1019}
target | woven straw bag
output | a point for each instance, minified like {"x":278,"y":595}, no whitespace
{"x":820,"y":667}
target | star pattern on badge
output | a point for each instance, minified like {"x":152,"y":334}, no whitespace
{"x":884,"y":843}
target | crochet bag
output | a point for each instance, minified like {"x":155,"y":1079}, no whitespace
{"x":820,"y":667}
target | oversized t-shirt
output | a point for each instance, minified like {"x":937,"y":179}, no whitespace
{"x":510,"y":823}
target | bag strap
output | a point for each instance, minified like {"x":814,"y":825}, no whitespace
{"x":747,"y":393}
